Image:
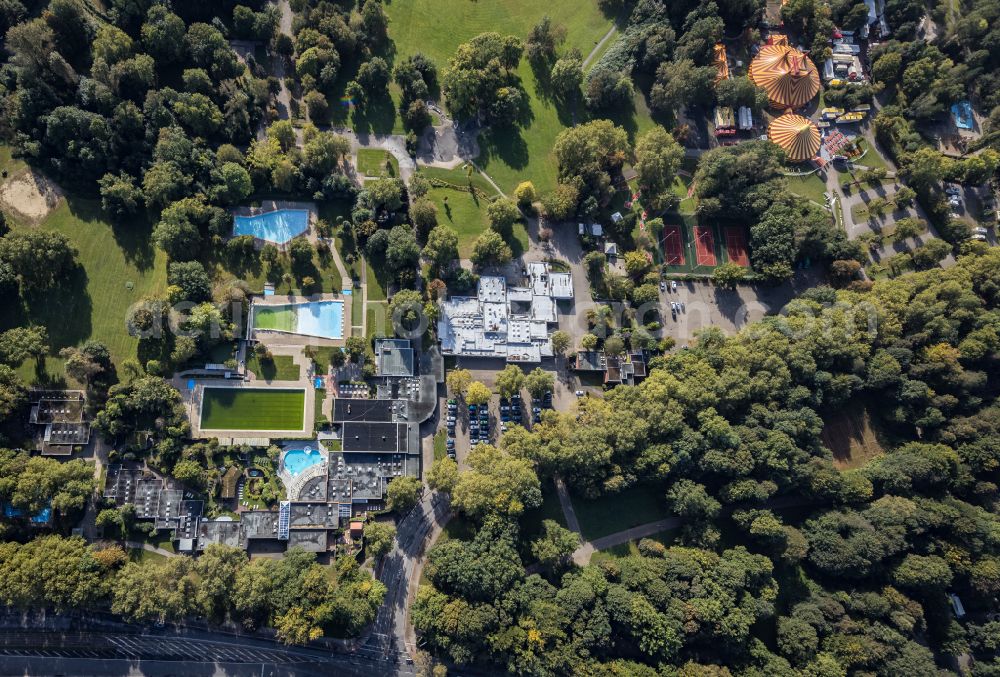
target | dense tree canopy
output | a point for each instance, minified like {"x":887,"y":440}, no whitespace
{"x":727,"y":431}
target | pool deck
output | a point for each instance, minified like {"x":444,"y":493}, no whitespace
{"x":273,"y":339}
{"x":192,"y":402}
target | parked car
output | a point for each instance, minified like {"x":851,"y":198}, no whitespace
{"x":579,"y":393}
{"x":673,"y":285}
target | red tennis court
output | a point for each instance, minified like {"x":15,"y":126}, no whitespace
{"x":673,"y":246}
{"x":736,"y":245}
{"x":704,"y":246}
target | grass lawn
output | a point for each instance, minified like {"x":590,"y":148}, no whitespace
{"x":280,"y":318}
{"x":279,"y":368}
{"x":8,"y":163}
{"x":609,"y":514}
{"x":118,"y":267}
{"x":550,"y":509}
{"x":462,"y":211}
{"x":252,"y":409}
{"x":810,"y":187}
{"x":144,"y":556}
{"x":871,"y":158}
{"x":335,"y":212}
{"x":357,"y":311}
{"x":466,"y":212}
{"x":322,"y":269}
{"x":322,"y":356}
{"x":320,"y":399}
{"x":372,"y":162}
{"x":680,"y":188}
{"x":440,"y":445}
{"x":377,"y":322}
{"x":436,"y":28}
{"x":376,"y":286}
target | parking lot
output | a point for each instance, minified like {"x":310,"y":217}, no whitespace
{"x":474,"y":425}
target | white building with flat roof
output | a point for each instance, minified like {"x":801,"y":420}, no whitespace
{"x":505,"y":322}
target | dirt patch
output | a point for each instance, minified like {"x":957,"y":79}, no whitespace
{"x":852,"y":437}
{"x":29,"y":195}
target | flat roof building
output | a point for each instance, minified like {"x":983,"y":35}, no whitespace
{"x":394,"y":357}
{"x":59,"y":416}
{"x":508,"y":322}
{"x":375,"y":437}
{"x":356,"y":409}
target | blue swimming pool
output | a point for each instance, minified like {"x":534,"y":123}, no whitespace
{"x":324,"y":319}
{"x":278,"y":226}
{"x":297,"y":460}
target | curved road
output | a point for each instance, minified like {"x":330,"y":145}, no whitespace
{"x":390,"y":636}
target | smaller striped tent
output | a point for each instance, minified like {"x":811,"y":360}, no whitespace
{"x":797,"y":135}
{"x":721,"y":62}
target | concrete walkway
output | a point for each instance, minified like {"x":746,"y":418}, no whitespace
{"x":567,"y":506}
{"x":149,"y":548}
{"x":597,"y":47}
{"x":635,"y":533}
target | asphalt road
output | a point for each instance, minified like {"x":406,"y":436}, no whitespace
{"x":388,"y":639}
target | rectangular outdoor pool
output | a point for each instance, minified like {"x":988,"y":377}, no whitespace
{"x":278,"y":226}
{"x":322,"y":319}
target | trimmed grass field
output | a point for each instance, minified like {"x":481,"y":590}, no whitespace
{"x":810,"y":187}
{"x":609,"y":514}
{"x":279,"y":368}
{"x":371,"y":162}
{"x":277,"y":318}
{"x":377,"y":322}
{"x":440,"y":444}
{"x":465,"y":211}
{"x":436,"y":28}
{"x":376,"y":286}
{"x":252,"y":409}
{"x":118,"y":267}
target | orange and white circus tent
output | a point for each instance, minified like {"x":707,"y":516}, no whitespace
{"x":797,"y":135}
{"x":787,"y":75}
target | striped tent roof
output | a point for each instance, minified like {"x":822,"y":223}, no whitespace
{"x":787,"y":75}
{"x":797,"y":135}
{"x":721,"y":62}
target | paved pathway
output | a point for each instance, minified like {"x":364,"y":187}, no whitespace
{"x":567,"y":506}
{"x":284,"y":97}
{"x":597,"y":47}
{"x":635,"y":533}
{"x":148,"y":547}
